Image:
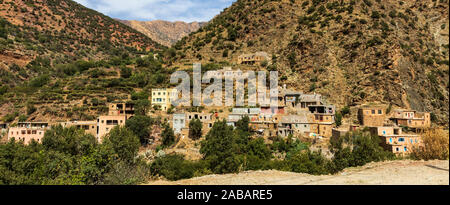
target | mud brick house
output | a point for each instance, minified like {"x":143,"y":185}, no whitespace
{"x":253,"y":58}
{"x":28,"y":131}
{"x":292,"y":98}
{"x":395,"y":141}
{"x":411,"y":118}
{"x":294,"y":124}
{"x":307,"y":100}
{"x":121,"y":109}
{"x":372,"y":116}
{"x":106,"y":123}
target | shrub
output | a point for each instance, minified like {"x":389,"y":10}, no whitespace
{"x":195,"y":129}
{"x":168,"y":136}
{"x":175,"y":167}
{"x":125,"y":72}
{"x":124,"y":143}
{"x":338,"y":119}
{"x":40,"y":81}
{"x":356,"y":149}
{"x":140,"y":126}
{"x":435,"y":146}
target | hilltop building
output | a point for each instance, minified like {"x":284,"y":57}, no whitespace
{"x":253,"y":58}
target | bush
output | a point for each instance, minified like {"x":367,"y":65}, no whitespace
{"x":40,"y":81}
{"x":168,"y":136}
{"x":338,"y":119}
{"x":356,"y":149}
{"x":140,"y":126}
{"x":175,"y":167}
{"x":195,"y":129}
{"x":125,"y":72}
{"x":124,"y":143}
{"x":435,"y":146}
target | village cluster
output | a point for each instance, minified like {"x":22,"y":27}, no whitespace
{"x":298,"y":114}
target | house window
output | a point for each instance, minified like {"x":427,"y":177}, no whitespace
{"x":406,"y":149}
{"x":390,"y":140}
{"x":397,"y":149}
{"x":373,"y":112}
{"x":380,"y":112}
{"x":384,"y":132}
{"x":401,"y":139}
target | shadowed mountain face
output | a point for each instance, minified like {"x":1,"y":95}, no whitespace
{"x":352,"y":51}
{"x":164,"y":32}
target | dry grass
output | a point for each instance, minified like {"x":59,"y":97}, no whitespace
{"x":435,"y":145}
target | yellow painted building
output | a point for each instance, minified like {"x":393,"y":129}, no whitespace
{"x":163,"y":97}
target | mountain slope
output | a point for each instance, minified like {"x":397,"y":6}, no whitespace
{"x":352,"y":51}
{"x":164,"y":32}
{"x":62,"y":61}
{"x":65,"y":30}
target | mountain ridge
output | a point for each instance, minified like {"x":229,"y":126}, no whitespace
{"x":164,"y":32}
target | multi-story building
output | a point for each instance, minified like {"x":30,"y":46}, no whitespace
{"x":411,"y":118}
{"x":106,"y":123}
{"x":395,"y":141}
{"x":163,"y":97}
{"x":372,"y":116}
{"x":253,"y":58}
{"x":179,"y":122}
{"x":122,"y":109}
{"x":28,"y":131}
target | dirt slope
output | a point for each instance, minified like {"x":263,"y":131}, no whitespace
{"x":383,"y":173}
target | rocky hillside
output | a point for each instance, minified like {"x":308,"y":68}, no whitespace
{"x":164,"y":32}
{"x":61,"y":31}
{"x":61,"y":61}
{"x":352,"y":51}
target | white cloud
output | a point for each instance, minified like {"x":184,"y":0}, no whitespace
{"x":171,"y":10}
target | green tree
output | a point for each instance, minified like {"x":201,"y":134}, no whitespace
{"x":338,"y":119}
{"x":195,"y":129}
{"x":168,"y":136}
{"x":124,"y":143}
{"x":140,"y":126}
{"x":219,"y":148}
{"x":125,"y":72}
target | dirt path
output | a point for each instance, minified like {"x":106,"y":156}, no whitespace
{"x":404,"y":172}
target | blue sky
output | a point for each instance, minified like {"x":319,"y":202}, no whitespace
{"x":169,"y":10}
